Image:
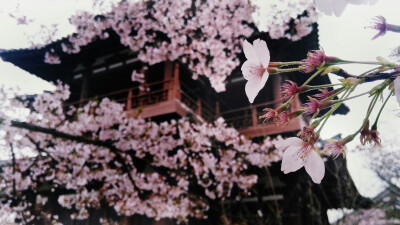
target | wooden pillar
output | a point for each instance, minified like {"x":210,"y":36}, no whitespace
{"x":84,"y":88}
{"x":86,"y":75}
{"x":143,"y":92}
{"x":254,"y":116}
{"x":276,"y":84}
{"x":176,"y":85}
{"x":169,"y":79}
{"x":129,"y":100}
{"x":295,"y":104}
{"x":171,"y":75}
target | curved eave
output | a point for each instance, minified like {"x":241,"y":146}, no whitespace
{"x":32,"y":60}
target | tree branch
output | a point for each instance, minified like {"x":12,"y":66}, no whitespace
{"x":368,"y":77}
{"x":58,"y":134}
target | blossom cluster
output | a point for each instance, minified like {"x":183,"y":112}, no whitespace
{"x":291,"y":19}
{"x":51,"y":58}
{"x":300,"y":151}
{"x":374,"y":216}
{"x":97,"y":154}
{"x":204,"y":35}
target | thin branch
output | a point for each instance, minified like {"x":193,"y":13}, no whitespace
{"x":13,"y":165}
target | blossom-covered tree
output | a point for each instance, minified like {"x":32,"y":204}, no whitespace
{"x":97,"y":155}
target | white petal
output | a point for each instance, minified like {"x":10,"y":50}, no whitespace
{"x":262,"y":52}
{"x":285,"y":143}
{"x":291,"y":160}
{"x":247,"y":67}
{"x":252,"y":88}
{"x":373,"y":2}
{"x":397,"y":89}
{"x":338,"y":7}
{"x":356,"y":2}
{"x":315,"y":166}
{"x":324,"y":6}
{"x":250,"y":53}
{"x":264,"y":79}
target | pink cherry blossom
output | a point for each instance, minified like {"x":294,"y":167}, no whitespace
{"x":208,"y":155}
{"x":255,"y":68}
{"x":297,"y":154}
{"x":315,"y":59}
{"x":290,"y":89}
{"x":51,"y":57}
{"x":285,"y":18}
{"x":380,"y":25}
{"x":370,"y":136}
{"x":334,"y":148}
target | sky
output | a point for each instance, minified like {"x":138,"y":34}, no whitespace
{"x":345,"y":37}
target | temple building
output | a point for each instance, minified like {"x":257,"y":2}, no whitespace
{"x":103,"y":68}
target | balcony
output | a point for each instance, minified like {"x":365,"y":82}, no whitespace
{"x":172,"y":97}
{"x":162,"y":98}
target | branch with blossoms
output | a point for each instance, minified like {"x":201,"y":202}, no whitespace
{"x":204,"y":35}
{"x":300,"y":151}
{"x":97,"y":154}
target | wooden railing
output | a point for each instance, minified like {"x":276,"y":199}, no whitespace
{"x":163,"y":91}
{"x":196,"y":104}
{"x":160,"y":91}
{"x":133,"y":97}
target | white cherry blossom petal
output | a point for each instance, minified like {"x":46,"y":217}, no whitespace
{"x":262,"y":52}
{"x":338,"y":7}
{"x":291,"y":161}
{"x":248,"y":68}
{"x":252,"y":88}
{"x":253,"y":71}
{"x":286,"y":143}
{"x":264,"y":79}
{"x":315,"y":166}
{"x":324,"y":6}
{"x":250,"y":53}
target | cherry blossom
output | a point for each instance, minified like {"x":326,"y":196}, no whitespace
{"x":255,"y":68}
{"x":206,"y":36}
{"x":380,"y":25}
{"x":313,"y":106}
{"x":51,"y":57}
{"x":285,"y":18}
{"x":370,"y":136}
{"x":200,"y":36}
{"x":298,"y":154}
{"x":334,"y":148}
{"x":74,"y":148}
{"x":290,"y":89}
